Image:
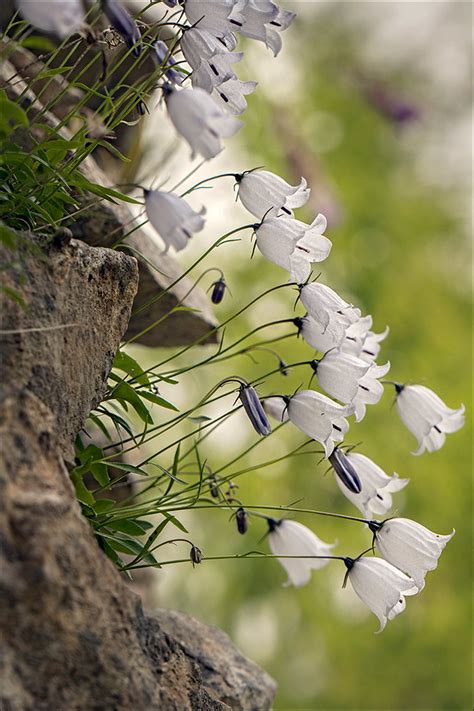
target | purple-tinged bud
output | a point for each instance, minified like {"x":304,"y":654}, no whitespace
{"x":218,"y":291}
{"x":345,"y":471}
{"x":195,"y":555}
{"x":254,"y":409}
{"x":123,"y":22}
{"x":213,"y":486}
{"x":162,"y":54}
{"x":242,"y":518}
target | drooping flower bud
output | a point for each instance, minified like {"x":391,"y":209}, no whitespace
{"x":254,"y":409}
{"x":218,"y":290}
{"x":195,"y":555}
{"x":242,"y":518}
{"x":123,"y":22}
{"x":345,"y":471}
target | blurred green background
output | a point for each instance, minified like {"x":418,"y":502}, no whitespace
{"x":396,"y":195}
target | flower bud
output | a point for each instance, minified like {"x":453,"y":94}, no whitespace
{"x":345,"y":471}
{"x":242,"y":518}
{"x":254,"y":409}
{"x":218,"y":291}
{"x":195,"y":555}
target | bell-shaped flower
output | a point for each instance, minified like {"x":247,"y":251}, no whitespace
{"x":262,"y":192}
{"x":375,"y":496}
{"x":317,"y":336}
{"x":290,"y":538}
{"x":276,"y":408}
{"x":58,"y":17}
{"x":371,"y":346}
{"x":427,"y":416}
{"x":380,"y":586}
{"x":370,"y":389}
{"x":172,"y":217}
{"x":319,"y":417}
{"x":253,"y":407}
{"x":121,"y":20}
{"x":231,"y":94}
{"x":339,"y":374}
{"x":355,"y":336}
{"x":409,"y":546}
{"x":209,"y":58}
{"x":261,"y":20}
{"x":292,"y":244}
{"x":200,"y":121}
{"x":332,"y":313}
{"x":212,"y":15}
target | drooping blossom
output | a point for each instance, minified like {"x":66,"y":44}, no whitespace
{"x":58,"y":17}
{"x":409,"y":546}
{"x":231,"y":94}
{"x":427,"y":417}
{"x":333,"y":315}
{"x":370,"y":389}
{"x":292,"y":244}
{"x":375,"y":496}
{"x":290,"y":538}
{"x":380,"y":586}
{"x":200,"y":121}
{"x":319,"y":417}
{"x":262,"y":192}
{"x":345,"y":472}
{"x":253,"y":407}
{"x":121,"y":20}
{"x":211,"y":15}
{"x":261,"y":20}
{"x":172,"y":217}
{"x":320,"y":338}
{"x":350,"y":379}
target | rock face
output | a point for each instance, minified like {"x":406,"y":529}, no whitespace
{"x":74,"y":636}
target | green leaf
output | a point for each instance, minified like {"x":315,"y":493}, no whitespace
{"x":175,"y":521}
{"x":130,"y":366}
{"x":199,"y":419}
{"x":39,"y":43}
{"x":102,"y":506}
{"x":132,"y":527}
{"x":82,"y":492}
{"x":125,"y":392}
{"x":98,"y":423}
{"x":158,"y":400}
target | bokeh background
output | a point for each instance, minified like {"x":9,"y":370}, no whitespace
{"x":371,"y":103}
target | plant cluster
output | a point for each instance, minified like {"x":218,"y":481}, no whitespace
{"x":41,"y":178}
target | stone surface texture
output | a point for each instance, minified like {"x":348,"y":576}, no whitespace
{"x":74,"y":636}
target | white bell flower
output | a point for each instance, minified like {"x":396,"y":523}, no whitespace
{"x":339,"y":374}
{"x":410,"y":547}
{"x":232,"y":92}
{"x":58,"y":17}
{"x":172,"y":218}
{"x":319,"y":337}
{"x":261,"y":20}
{"x":290,"y":538}
{"x":380,"y":586}
{"x":276,"y":407}
{"x":200,"y":121}
{"x":371,"y":346}
{"x":292,"y":244}
{"x":319,"y":417}
{"x":212,"y":15}
{"x":328,"y":309}
{"x":375,"y":496}
{"x":200,"y":46}
{"x":261,"y":192}
{"x":370,"y":390}
{"x":356,"y":335}
{"x":427,"y":416}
